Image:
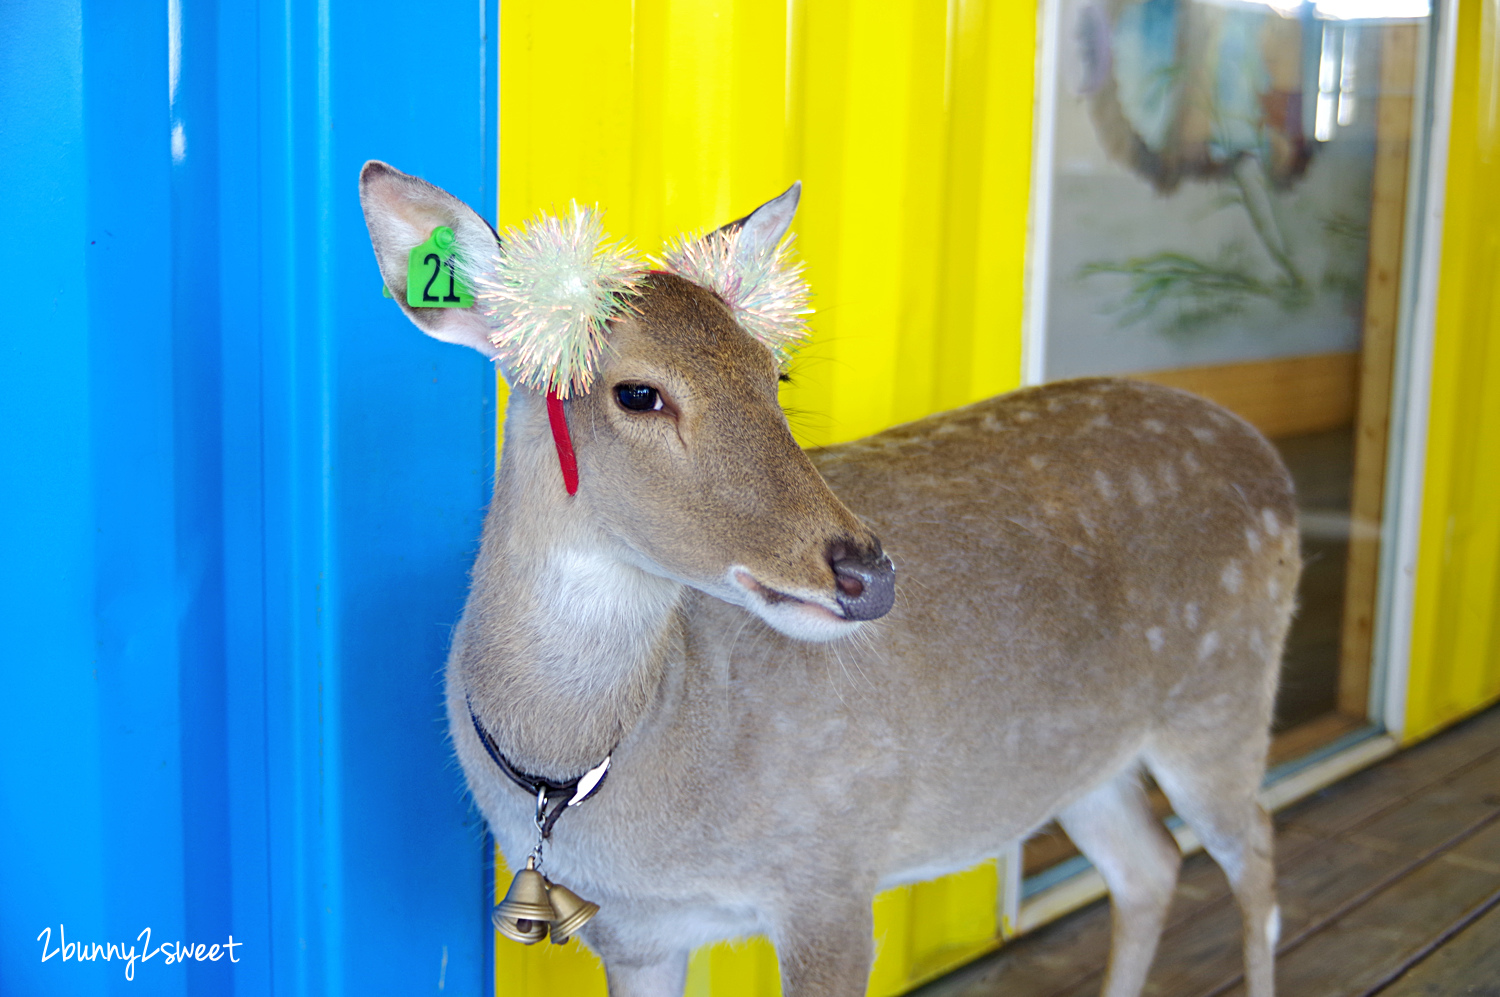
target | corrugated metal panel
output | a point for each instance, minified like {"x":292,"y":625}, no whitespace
{"x":1455,"y":657}
{"x":909,"y":124}
{"x":241,"y":495}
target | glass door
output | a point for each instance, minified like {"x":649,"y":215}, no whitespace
{"x":1222,"y":189}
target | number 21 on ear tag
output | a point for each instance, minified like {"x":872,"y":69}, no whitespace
{"x":431,"y":281}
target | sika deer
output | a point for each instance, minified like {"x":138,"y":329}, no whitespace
{"x":1096,"y":577}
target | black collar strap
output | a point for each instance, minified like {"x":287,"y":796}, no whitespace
{"x":552,"y":797}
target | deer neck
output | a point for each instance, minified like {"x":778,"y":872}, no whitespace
{"x":565,"y":641}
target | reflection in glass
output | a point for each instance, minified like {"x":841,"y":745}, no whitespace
{"x":1224,"y":210}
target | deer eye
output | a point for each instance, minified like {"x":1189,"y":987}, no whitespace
{"x":638,"y":397}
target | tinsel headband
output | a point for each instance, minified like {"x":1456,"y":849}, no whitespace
{"x":762,"y":285}
{"x":549,"y":292}
{"x":552,"y":286}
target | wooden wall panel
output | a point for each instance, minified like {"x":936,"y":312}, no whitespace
{"x":1393,"y":135}
{"x":1287,"y":396}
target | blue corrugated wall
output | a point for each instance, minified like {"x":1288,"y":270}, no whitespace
{"x":240,"y":497}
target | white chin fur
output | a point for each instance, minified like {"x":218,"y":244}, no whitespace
{"x":799,"y":616}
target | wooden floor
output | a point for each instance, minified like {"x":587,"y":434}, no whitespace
{"x":1389,"y":883}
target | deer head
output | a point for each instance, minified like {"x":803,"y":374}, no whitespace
{"x":687,"y":466}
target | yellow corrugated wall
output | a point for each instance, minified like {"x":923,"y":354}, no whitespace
{"x":909,"y":124}
{"x":1455,"y":658}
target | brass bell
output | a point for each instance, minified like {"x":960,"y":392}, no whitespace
{"x":525,"y":912}
{"x":573,"y":912}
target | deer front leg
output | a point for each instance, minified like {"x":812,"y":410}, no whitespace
{"x":665,"y":977}
{"x":1114,"y":828}
{"x":825,"y":946}
{"x":641,"y":958}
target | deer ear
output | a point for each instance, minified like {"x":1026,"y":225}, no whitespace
{"x":749,"y":266}
{"x":401,"y":211}
{"x":764,"y":228}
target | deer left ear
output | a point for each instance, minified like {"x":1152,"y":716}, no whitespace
{"x":764,"y":228}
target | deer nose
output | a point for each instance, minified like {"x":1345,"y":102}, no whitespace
{"x":866,"y":586}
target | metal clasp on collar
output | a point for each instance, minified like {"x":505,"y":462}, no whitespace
{"x":544,"y":817}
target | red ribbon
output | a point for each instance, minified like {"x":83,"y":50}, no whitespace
{"x":563,"y":442}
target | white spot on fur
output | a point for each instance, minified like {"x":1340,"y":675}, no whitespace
{"x":1038,"y":461}
{"x":1168,"y":475}
{"x":1054,"y":404}
{"x":1231,"y":578}
{"x":1154,"y":426}
{"x":1088,"y":525}
{"x":1190,"y":461}
{"x":1155,"y":639}
{"x":1208,"y":645}
{"x":1099,"y":421}
{"x":1257,"y":642}
{"x":1252,"y":538}
{"x":1202,"y":435}
{"x":991,"y":423}
{"x":1273,"y":926}
{"x":1141,"y":488}
{"x":1273,"y":589}
{"x":1105,"y":486}
{"x":1025,"y":415}
{"x":1272,"y":524}
{"x":1190,"y":615}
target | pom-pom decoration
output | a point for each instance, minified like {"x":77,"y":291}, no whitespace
{"x":762,"y":285}
{"x":548,"y":295}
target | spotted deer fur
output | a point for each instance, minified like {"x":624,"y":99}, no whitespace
{"x":1095,"y":578}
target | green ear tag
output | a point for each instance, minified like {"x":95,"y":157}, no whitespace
{"x":431,"y":281}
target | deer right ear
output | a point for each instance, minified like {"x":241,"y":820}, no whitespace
{"x":401,"y":212}
{"x":762,"y":230}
